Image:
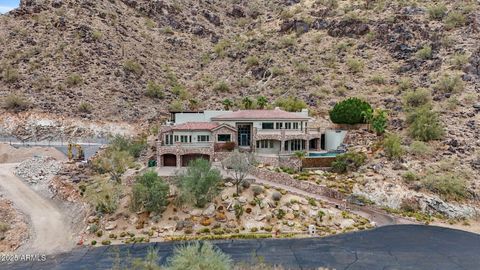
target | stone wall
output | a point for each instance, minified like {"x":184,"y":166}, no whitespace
{"x":321,"y":162}
{"x":287,"y":180}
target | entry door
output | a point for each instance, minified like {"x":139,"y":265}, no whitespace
{"x":244,"y":140}
{"x":244,"y":134}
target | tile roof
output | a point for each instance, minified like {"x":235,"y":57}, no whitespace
{"x":261,"y":115}
{"x":195,"y":126}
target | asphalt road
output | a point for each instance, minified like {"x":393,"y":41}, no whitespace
{"x":388,"y":248}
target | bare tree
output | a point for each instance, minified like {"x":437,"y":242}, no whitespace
{"x":238,"y":166}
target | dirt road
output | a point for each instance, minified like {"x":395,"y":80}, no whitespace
{"x":50,"y":232}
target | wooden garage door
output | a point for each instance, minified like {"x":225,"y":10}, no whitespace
{"x":187,"y":158}
{"x":169,"y":160}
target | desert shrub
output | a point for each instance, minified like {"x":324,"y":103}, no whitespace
{"x":378,"y":79}
{"x":74,"y":80}
{"x":4,"y":227}
{"x":276,"y":71}
{"x":349,"y":111}
{"x":9,"y":74}
{"x":355,"y":65}
{"x":437,"y":11}
{"x":449,"y":83}
{"x":280,"y":213}
{"x":85,"y":107}
{"x":276,"y":196}
{"x":257,"y":190}
{"x":417,"y":98}
{"x":252,"y":61}
{"x":425,"y":52}
{"x":448,"y":185}
{"x":106,"y":242}
{"x":419,"y":148}
{"x":409,"y":177}
{"x":103,"y":195}
{"x":424,"y":124}
{"x":130,"y":66}
{"x":198,"y":185}
{"x":350,"y":161}
{"x":291,"y":104}
{"x":150,"y":192}
{"x":155,"y":90}
{"x":378,"y":119}
{"x":133,"y":146}
{"x":222,"y":87}
{"x":393,"y":146}
{"x":238,"y":209}
{"x":404,"y":84}
{"x":15,"y":103}
{"x":459,"y":60}
{"x":113,"y":162}
{"x":199,"y":255}
{"x":410,"y":205}
{"x":455,"y":19}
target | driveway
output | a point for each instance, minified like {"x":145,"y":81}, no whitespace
{"x":49,"y":232}
{"x":415,"y":247}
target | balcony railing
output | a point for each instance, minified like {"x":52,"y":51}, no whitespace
{"x":189,"y":145}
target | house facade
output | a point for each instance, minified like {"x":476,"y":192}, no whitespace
{"x":211,"y":134}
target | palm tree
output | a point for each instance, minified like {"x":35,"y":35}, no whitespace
{"x":227,"y":104}
{"x":247,"y":102}
{"x":262,"y":102}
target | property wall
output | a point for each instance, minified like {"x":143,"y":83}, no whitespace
{"x":287,"y":180}
{"x":322,"y":162}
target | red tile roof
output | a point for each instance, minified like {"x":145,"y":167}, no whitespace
{"x":195,"y":126}
{"x":261,"y":115}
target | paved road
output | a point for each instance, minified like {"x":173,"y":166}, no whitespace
{"x":391,"y":247}
{"x":49,"y":232}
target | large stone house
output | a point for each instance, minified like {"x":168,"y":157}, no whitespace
{"x":270,"y":134}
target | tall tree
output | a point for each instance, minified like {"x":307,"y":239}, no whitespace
{"x":199,"y":184}
{"x":227,"y":104}
{"x":262,"y":102}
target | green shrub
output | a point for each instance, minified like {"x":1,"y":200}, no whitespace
{"x":257,"y":190}
{"x":74,"y":80}
{"x":378,"y":79}
{"x":437,"y":11}
{"x":378,"y":120}
{"x":93,"y":243}
{"x":404,"y":84}
{"x":150,"y":193}
{"x":447,"y":185}
{"x":459,"y":60}
{"x":425,"y":53}
{"x":198,"y":185}
{"x":106,"y":242}
{"x":419,"y":148}
{"x":252,"y":61}
{"x":393,"y":146}
{"x":355,"y":65}
{"x":222,"y":87}
{"x":276,"y":71}
{"x":409,"y":177}
{"x":350,"y":111}
{"x":291,"y":104}
{"x":455,"y":19}
{"x":424,"y":124}
{"x":103,"y":195}
{"x":133,"y":146}
{"x":199,"y":255}
{"x":350,"y":161}
{"x":155,"y":90}
{"x":85,"y":107}
{"x":15,"y":103}
{"x":130,"y":66}
{"x":417,"y":98}
{"x":449,"y":83}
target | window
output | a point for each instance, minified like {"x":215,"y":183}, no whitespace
{"x":203,"y":138}
{"x":295,"y":125}
{"x":176,"y":138}
{"x":288,"y":125}
{"x":278,"y":125}
{"x":263,"y":144}
{"x":224,"y":138}
{"x":185,"y":138}
{"x":267,"y":125}
{"x":168,"y":139}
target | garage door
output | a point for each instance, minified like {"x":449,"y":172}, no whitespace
{"x":186,"y":159}
{"x":169,"y":160}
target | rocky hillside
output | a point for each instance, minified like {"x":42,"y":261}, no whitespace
{"x":133,"y":59}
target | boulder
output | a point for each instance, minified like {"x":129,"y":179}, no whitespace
{"x":289,"y":216}
{"x":110,"y":226}
{"x":348,"y":28}
{"x":209,"y":211}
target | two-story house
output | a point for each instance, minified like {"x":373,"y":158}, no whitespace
{"x":209,"y":134}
